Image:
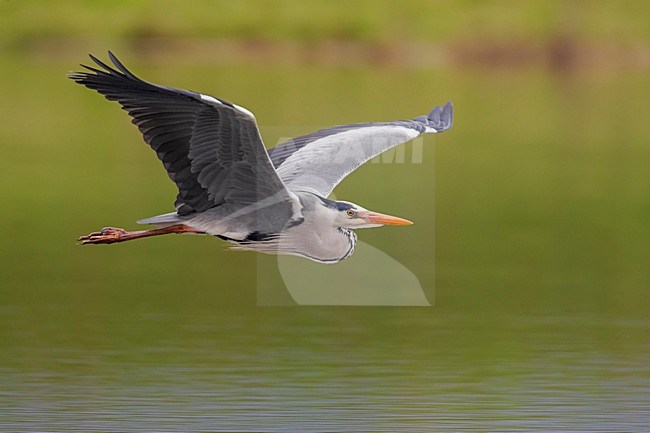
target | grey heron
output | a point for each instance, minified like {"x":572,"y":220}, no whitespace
{"x":230,"y":186}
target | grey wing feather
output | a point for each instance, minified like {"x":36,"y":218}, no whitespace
{"x":210,"y":148}
{"x":317,"y":162}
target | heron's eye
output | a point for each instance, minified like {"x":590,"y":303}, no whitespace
{"x":350,"y":213}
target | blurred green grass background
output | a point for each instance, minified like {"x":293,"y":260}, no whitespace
{"x":532,"y":219}
{"x":537,"y":200}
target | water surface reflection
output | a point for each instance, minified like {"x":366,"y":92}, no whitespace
{"x":316,"y":369}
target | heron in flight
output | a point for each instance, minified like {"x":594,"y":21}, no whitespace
{"x":230,"y":186}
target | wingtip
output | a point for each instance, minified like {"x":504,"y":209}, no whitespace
{"x":100,"y":63}
{"x":112,"y":57}
{"x":120,"y":66}
{"x":448,"y":114}
{"x":441,"y":118}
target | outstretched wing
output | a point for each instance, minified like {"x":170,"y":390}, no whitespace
{"x":317,"y":162}
{"x":210,"y":148}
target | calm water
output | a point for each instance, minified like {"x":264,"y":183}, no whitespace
{"x":532,"y":223}
{"x":315,"y":369}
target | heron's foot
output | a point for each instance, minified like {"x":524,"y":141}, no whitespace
{"x":111,"y":235}
{"x":107,"y":235}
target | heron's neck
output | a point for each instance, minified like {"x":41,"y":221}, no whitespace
{"x":351,"y":237}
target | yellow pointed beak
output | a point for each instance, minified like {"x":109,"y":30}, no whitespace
{"x":379,"y":218}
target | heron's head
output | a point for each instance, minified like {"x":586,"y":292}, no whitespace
{"x":353,"y":216}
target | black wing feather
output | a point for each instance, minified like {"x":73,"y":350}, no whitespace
{"x":211,"y":150}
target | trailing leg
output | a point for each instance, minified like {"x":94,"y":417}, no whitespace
{"x":111,"y":235}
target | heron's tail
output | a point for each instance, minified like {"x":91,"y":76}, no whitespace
{"x":162,"y":220}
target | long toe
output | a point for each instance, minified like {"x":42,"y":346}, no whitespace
{"x":113,"y":231}
{"x":107,"y":235}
